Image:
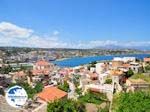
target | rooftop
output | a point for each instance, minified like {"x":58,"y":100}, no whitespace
{"x":42,"y":62}
{"x":147,"y":59}
{"x":40,"y":72}
{"x":51,"y":94}
{"x":116,"y":72}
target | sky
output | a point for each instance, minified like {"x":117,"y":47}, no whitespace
{"x":74,"y":23}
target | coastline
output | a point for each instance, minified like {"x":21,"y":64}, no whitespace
{"x":76,"y":61}
{"x":117,"y":55}
{"x":62,"y":59}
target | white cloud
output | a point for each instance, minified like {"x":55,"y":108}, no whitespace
{"x":13,"y":35}
{"x":103,"y":43}
{"x":141,"y":43}
{"x":10,"y":30}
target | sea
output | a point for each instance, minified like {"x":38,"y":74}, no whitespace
{"x":77,"y":61}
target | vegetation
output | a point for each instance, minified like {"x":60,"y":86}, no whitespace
{"x":76,"y":80}
{"x":132,"y":102}
{"x":92,"y":64}
{"x":2,"y":91}
{"x":137,"y":60}
{"x":66,"y":105}
{"x":39,"y":87}
{"x":25,"y":68}
{"x":5,"y":69}
{"x":106,"y":109}
{"x":141,"y":76}
{"x":30,"y":91}
{"x":108,"y":81}
{"x":79,"y":91}
{"x":129,"y":73}
{"x":93,"y":97}
{"x":147,"y":68}
{"x":64,"y":87}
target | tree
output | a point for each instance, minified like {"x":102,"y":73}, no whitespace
{"x":129,"y":73}
{"x":79,"y":91}
{"x":66,"y":105}
{"x":92,"y":64}
{"x":5,"y":69}
{"x":64,"y":87}
{"x":39,"y":87}
{"x":132,"y":102}
{"x":147,"y":68}
{"x":2,"y":91}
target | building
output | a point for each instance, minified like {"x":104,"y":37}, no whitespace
{"x":18,"y":66}
{"x":42,"y":64}
{"x":18,"y":76}
{"x":147,"y":60}
{"x":136,"y":67}
{"x":102,"y":77}
{"x":100,"y":68}
{"x":105,"y":88}
{"x":92,"y":76}
{"x":42,"y":67}
{"x":125,"y":59}
{"x":51,"y":94}
{"x":117,"y":64}
{"x":117,"y":79}
{"x":137,"y":84}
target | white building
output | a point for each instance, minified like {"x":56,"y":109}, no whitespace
{"x":136,"y":67}
{"x":105,"y":88}
{"x":99,"y":68}
{"x":92,"y":69}
{"x":102,"y":77}
{"x":125,"y":59}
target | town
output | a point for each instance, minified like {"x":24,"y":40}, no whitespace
{"x":93,"y":87}
{"x":25,"y":54}
{"x":74,"y":55}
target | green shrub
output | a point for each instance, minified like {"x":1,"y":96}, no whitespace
{"x":66,"y":105}
{"x":64,"y":87}
{"x":108,"y":81}
{"x":132,"y":102}
{"x":92,"y":97}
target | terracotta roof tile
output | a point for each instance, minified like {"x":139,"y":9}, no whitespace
{"x":147,"y":59}
{"x":39,"y":72}
{"x":51,"y":94}
{"x":116,"y":72}
{"x":42,"y":63}
{"x":126,"y":65}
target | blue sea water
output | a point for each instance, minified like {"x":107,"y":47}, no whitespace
{"x":76,"y":61}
